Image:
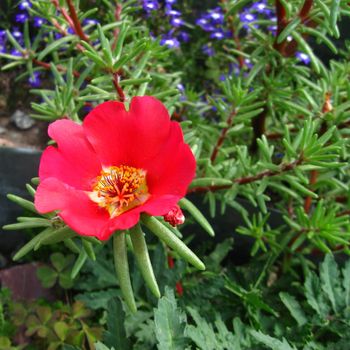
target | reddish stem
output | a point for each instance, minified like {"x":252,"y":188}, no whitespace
{"x":222,"y":136}
{"x":308,"y":199}
{"x":343,"y":213}
{"x":117,"y":14}
{"x":305,"y":10}
{"x":76,"y":23}
{"x":64,"y":13}
{"x":249,"y":179}
{"x":281,"y":24}
{"x":65,"y":33}
{"x":59,"y":68}
{"x":120,"y":92}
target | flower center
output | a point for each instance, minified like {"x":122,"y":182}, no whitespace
{"x":119,"y":189}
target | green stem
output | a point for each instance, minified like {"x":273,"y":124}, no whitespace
{"x":142,"y":257}
{"x":122,"y":269}
{"x":165,"y":235}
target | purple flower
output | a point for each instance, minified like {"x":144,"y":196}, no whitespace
{"x":205,"y":24}
{"x":183,"y":36}
{"x":90,"y":21}
{"x":261,"y":7}
{"x":16,"y":33}
{"x":169,"y":41}
{"x":58,"y":35}
{"x":25,"y":5}
{"x":21,"y":17}
{"x":2,"y":47}
{"x":247,"y":17}
{"x":15,"y":52}
{"x":34,"y":80}
{"x":180,"y":87}
{"x":171,"y":12}
{"x":150,"y":5}
{"x":216,"y":16}
{"x":176,"y":22}
{"x":248,"y":63}
{"x":217,"y":35}
{"x":208,"y":50}
{"x":38,"y":21}
{"x":303,"y":57}
{"x":3,"y":36}
{"x":170,"y":2}
{"x":234,"y":69}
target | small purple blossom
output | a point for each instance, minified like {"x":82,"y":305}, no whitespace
{"x":248,"y":63}
{"x":216,"y":16}
{"x":208,"y":50}
{"x":16,"y":33}
{"x":25,"y":5}
{"x":217,"y":35}
{"x":180,"y":87}
{"x":150,"y":5}
{"x":170,"y":2}
{"x":212,"y":20}
{"x":176,"y":22}
{"x":171,"y":12}
{"x":38,"y":21}
{"x":169,"y":42}
{"x":261,"y":7}
{"x":34,"y":80}
{"x":204,"y":24}
{"x":90,"y":21}
{"x":21,"y":17}
{"x":15,"y":52}
{"x":183,"y":36}
{"x":2,"y":47}
{"x":303,"y":57}
{"x":3,"y":36}
{"x":247,"y":17}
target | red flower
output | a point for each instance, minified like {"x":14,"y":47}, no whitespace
{"x":116,"y":165}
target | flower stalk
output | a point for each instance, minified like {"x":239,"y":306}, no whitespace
{"x":122,"y":269}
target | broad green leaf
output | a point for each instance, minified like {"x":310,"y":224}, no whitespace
{"x":170,"y":323}
{"x":115,"y":336}
{"x":294,"y":308}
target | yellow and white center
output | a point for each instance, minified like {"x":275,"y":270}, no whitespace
{"x":120,"y":188}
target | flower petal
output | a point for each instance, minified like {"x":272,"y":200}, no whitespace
{"x":173,"y":169}
{"x":74,"y":161}
{"x":75,"y":208}
{"x":128,"y":138}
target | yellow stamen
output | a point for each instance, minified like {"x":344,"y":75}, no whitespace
{"x":119,"y":189}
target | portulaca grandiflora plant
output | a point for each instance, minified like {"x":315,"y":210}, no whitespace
{"x":151,"y":101}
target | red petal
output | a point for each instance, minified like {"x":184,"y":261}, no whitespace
{"x":74,"y":161}
{"x":76,"y":208}
{"x":173,"y":169}
{"x":128,"y":138}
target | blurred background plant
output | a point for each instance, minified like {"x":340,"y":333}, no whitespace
{"x":264,"y":107}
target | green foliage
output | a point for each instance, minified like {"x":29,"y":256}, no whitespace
{"x":57,"y":325}
{"x":169,"y":323}
{"x":59,"y":272}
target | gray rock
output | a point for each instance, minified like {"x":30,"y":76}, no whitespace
{"x":22,"y":120}
{"x":2,"y":130}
